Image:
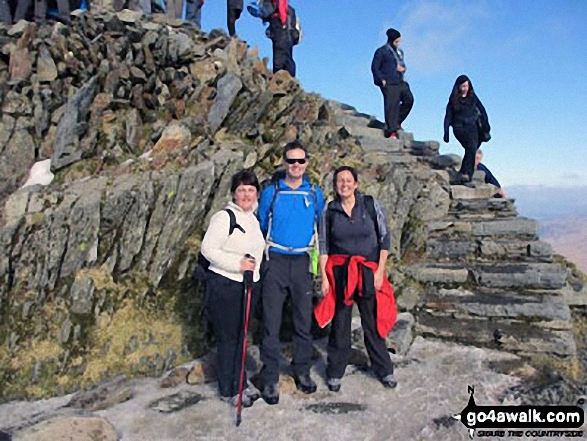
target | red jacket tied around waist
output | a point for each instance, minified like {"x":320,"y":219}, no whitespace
{"x":385,"y":300}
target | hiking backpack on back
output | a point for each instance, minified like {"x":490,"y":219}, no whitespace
{"x":203,"y":263}
{"x":262,"y":9}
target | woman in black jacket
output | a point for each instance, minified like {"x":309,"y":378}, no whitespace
{"x":354,"y":243}
{"x":468,"y":118}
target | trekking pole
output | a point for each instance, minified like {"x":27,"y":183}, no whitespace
{"x":248,"y":282}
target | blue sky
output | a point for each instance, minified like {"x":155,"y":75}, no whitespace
{"x":527,"y":60}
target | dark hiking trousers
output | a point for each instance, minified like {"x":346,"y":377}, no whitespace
{"x":225,"y":304}
{"x":194,"y":12}
{"x":5,"y":15}
{"x":282,"y":48}
{"x":283,"y":276}
{"x":468,"y":136}
{"x":397,"y":103}
{"x":41,"y":10}
{"x":339,"y":341}
{"x":233,"y":11}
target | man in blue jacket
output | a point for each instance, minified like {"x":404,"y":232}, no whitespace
{"x":388,"y":68}
{"x":288,"y":214}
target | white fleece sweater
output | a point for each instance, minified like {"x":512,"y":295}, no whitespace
{"x":225,"y":252}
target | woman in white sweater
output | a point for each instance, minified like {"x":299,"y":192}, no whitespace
{"x":230,"y":254}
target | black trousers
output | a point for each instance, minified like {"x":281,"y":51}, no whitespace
{"x":283,"y":276}
{"x":225,"y":302}
{"x":397,"y":104}
{"x":282,"y":48}
{"x":232,"y":16}
{"x":23,"y":7}
{"x":339,"y":341}
{"x":5,"y":14}
{"x":468,"y":136}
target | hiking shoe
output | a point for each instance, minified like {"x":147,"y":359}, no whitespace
{"x":389,"y":381}
{"x":305,"y":384}
{"x":271,"y":393}
{"x":247,"y":402}
{"x":386,"y":133}
{"x":334,"y":384}
{"x":252,"y":392}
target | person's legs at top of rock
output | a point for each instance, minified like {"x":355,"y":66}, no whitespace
{"x":194,"y":12}
{"x":5,"y":14}
{"x":234,"y":8}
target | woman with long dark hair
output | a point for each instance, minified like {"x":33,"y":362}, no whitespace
{"x":354,"y":243}
{"x":468,"y":118}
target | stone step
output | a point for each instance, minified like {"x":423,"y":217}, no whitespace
{"x":479,"y":191}
{"x":497,"y":207}
{"x":488,"y":249}
{"x":529,"y":305}
{"x":522,"y":275}
{"x":518,"y":227}
{"x":515,"y":336}
{"x":378,"y":158}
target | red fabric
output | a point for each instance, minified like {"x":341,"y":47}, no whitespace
{"x":386,"y":308}
{"x":281,"y":13}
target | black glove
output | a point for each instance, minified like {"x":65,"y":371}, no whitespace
{"x":445,"y":139}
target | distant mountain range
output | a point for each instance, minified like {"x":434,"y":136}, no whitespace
{"x":562,"y":212}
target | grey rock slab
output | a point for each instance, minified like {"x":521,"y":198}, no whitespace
{"x":505,"y":227}
{"x":178,"y":210}
{"x":481,"y":192}
{"x":176,"y":402}
{"x":444,"y":161}
{"x":400,"y":338}
{"x":62,"y":428}
{"x":82,"y":295}
{"x":104,"y":396}
{"x":516,"y":336}
{"x":227,"y":89}
{"x":46,"y":68}
{"x":437,"y":273}
{"x":67,"y":147}
{"x":521,"y":275}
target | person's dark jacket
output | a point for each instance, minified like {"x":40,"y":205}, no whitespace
{"x":489,"y":178}
{"x":237,"y":5}
{"x":465,"y":114}
{"x":384,"y":66}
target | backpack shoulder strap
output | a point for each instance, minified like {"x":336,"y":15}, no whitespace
{"x":233,"y":223}
{"x":370,"y":206}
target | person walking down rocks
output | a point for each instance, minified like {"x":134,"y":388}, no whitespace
{"x":233,"y":244}
{"x":388,"y":69}
{"x":469,"y":121}
{"x":284,"y":36}
{"x":289,"y":212}
{"x":354,"y":244}
{"x":489,"y":178}
{"x":23,"y":7}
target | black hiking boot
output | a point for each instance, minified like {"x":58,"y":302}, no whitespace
{"x":271,"y":393}
{"x":305,"y":384}
{"x":334,"y":384}
{"x":388,"y":381}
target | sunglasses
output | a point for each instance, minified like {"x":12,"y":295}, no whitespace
{"x":294,"y":160}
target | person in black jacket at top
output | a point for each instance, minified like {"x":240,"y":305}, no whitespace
{"x":388,"y":68}
{"x":468,"y":118}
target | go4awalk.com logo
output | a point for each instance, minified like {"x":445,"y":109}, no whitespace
{"x":521,"y":421}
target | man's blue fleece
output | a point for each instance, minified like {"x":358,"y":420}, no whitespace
{"x":293,"y":215}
